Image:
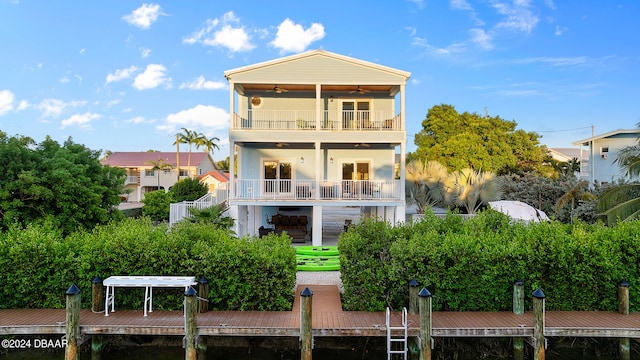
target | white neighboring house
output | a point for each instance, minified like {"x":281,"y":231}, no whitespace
{"x":215,"y":179}
{"x":602,"y":150}
{"x":142,"y":179}
{"x":314,"y":131}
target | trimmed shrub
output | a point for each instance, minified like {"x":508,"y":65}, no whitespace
{"x":37,"y":265}
{"x":471,"y":265}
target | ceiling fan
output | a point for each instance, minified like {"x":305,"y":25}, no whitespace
{"x":362,"y":145}
{"x":278,"y":90}
{"x":359,"y":90}
{"x":279,"y":145}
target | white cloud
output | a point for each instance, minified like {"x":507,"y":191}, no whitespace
{"x":152,"y":77}
{"x":518,"y":16}
{"x":554,"y":61}
{"x":201,"y":84}
{"x":137,"y":120}
{"x":293,"y":37}
{"x":221,"y":32}
{"x":121,"y":74}
{"x":81,"y":120}
{"x":560,"y":30}
{"x":6,"y":101}
{"x":64,"y":80}
{"x":22,"y":105}
{"x":82,"y":51}
{"x":418,"y":3}
{"x":455,"y":48}
{"x":55,"y":107}
{"x":144,"y":52}
{"x":481,"y":39}
{"x":144,"y":16}
{"x":203,"y":118}
{"x":460,"y":5}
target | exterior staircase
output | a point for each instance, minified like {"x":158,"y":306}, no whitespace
{"x":179,"y":211}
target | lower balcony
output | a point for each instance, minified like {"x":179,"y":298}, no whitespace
{"x":309,"y":190}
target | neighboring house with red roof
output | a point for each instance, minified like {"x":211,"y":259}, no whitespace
{"x":213,"y":179}
{"x":142,"y":178}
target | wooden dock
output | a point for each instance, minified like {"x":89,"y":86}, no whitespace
{"x":328,"y":320}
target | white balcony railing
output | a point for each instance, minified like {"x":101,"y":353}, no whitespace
{"x":131,"y":180}
{"x":306,"y":120}
{"x":266,"y":190}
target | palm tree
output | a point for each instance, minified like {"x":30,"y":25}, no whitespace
{"x":577,"y":192}
{"x":156,"y":166}
{"x":475,"y":188}
{"x":425,"y":184}
{"x":622,"y":202}
{"x":209,"y":144}
{"x":187,"y":137}
{"x":214,"y":215}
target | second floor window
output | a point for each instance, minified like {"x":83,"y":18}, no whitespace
{"x":149,"y":172}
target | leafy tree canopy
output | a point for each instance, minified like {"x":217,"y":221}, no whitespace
{"x":65,"y":183}
{"x":188,"y":190}
{"x":485,"y":143}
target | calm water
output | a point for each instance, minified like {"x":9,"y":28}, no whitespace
{"x":565,"y":349}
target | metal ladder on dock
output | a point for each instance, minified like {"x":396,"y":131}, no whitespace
{"x":397,"y":335}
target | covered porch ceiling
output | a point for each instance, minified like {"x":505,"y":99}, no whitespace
{"x":333,"y":88}
{"x":307,"y":145}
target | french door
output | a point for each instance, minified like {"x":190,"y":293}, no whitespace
{"x":355,"y":178}
{"x":355,"y":114}
{"x":277,"y":177}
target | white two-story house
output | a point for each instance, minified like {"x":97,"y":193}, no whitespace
{"x":313,"y":131}
{"x":152,"y":170}
{"x":602,"y":151}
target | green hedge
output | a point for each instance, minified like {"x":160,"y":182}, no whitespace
{"x":472,"y":264}
{"x":37,"y":265}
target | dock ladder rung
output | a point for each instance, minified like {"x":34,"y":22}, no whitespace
{"x":397,"y":335}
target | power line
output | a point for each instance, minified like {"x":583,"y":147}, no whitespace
{"x":548,"y":131}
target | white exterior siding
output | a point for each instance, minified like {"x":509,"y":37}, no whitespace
{"x":603,"y":151}
{"x":337,"y":121}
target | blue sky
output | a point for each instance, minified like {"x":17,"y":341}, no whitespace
{"x":127,"y":75}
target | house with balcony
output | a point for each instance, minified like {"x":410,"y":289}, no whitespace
{"x":143,"y":178}
{"x":315,"y":131}
{"x":602,"y":151}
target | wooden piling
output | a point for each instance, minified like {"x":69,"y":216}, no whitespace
{"x":538,"y":325}
{"x":96,"y":347}
{"x":72,"y":323}
{"x":190,"y":323}
{"x":414,"y":307}
{"x":623,"y":308}
{"x":203,"y":304}
{"x":306,"y":336}
{"x":518,"y":309}
{"x":425,"y":303}
{"x":97,"y":297}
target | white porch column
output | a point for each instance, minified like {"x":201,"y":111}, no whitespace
{"x":252,"y":227}
{"x":316,"y":232}
{"x":233,"y":213}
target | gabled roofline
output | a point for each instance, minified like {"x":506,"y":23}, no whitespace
{"x":587,"y":141}
{"x":230,"y":73}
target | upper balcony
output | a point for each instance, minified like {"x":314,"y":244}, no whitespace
{"x":330,"y":120}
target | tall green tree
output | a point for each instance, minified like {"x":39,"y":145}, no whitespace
{"x":209,"y":143}
{"x":188,"y":190}
{"x":65,"y":183}
{"x":468,"y":140}
{"x":189,"y":137}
